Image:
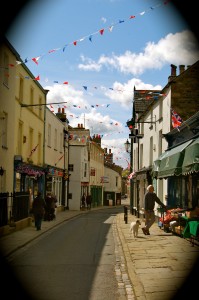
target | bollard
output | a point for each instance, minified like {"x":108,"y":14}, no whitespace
{"x":125,"y":214}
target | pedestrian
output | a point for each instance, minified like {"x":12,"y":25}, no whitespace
{"x":38,"y":209}
{"x":149,"y":203}
{"x":55,"y":204}
{"x":88,"y":201}
{"x":83,"y":200}
{"x":50,"y":207}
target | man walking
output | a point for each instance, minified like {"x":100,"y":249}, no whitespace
{"x":38,"y":208}
{"x":149,"y":203}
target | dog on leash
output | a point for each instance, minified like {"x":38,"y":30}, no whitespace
{"x":134,"y":227}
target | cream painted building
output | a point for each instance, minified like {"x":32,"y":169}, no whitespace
{"x":96,"y":171}
{"x":112,"y":184}
{"x":22,"y":119}
{"x":56,"y":155}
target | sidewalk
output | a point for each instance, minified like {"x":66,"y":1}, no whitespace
{"x":157,"y":264}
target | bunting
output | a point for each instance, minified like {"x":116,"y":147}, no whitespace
{"x":59,"y":160}
{"x":101,"y":32}
{"x":33,"y":150}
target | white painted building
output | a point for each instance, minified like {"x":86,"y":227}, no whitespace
{"x":78,"y":167}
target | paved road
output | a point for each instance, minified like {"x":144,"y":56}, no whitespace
{"x":151,"y":267}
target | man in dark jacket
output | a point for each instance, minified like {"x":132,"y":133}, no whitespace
{"x":149,"y":203}
{"x":38,"y":209}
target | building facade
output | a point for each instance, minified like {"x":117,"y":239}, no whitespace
{"x":152,"y":120}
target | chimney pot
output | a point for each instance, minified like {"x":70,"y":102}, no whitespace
{"x":181,"y":68}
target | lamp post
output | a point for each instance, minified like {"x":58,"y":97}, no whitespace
{"x":129,"y":149}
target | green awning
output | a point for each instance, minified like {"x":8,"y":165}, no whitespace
{"x":191,"y":158}
{"x":156,"y":165}
{"x":171,"y":163}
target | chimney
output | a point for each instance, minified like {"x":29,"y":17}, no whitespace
{"x":173,"y":73}
{"x":78,"y":125}
{"x":173,"y":70}
{"x":109,"y":151}
{"x":105,"y":150}
{"x":181,"y":68}
{"x":61,"y":115}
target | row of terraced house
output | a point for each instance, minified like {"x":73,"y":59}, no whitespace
{"x":40,"y":151}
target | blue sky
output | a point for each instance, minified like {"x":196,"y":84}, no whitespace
{"x":139,"y":41}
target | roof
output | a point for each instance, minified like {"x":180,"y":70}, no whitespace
{"x":144,"y":98}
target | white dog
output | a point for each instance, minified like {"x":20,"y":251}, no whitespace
{"x":134,"y":226}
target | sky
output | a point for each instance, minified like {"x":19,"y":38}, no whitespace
{"x":90,"y":54}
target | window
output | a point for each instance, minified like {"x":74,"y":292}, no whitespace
{"x":55,"y":139}
{"x":151,"y":151}
{"x":40,"y":107}
{"x":21,"y":86}
{"x":141,"y":155}
{"x":116,"y":181}
{"x":160,"y":143}
{"x":39,"y":148}
{"x":142,"y":128}
{"x":30,"y":140}
{"x":151,"y":126}
{"x":70,"y":167}
{"x":31,"y":98}
{"x":20,"y":134}
{"x":4,"y":130}
{"x":85,"y":169}
{"x":160,"y":109}
{"x":6,"y":70}
{"x":49,"y":135}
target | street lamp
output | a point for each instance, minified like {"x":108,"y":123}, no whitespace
{"x":129,"y":149}
{"x":127,"y":146}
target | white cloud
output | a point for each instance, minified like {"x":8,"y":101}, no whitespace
{"x":89,"y":65}
{"x":123,"y":93}
{"x":178,"y":48}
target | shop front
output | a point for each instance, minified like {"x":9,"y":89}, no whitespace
{"x":28,"y":177}
{"x":180,"y":166}
{"x":54,"y":183}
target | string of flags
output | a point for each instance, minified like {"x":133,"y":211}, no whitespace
{"x":90,"y":36}
{"x":146,"y":95}
{"x":59,"y":159}
{"x":33,"y":150}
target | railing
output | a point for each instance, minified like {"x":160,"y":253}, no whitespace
{"x":13,"y":207}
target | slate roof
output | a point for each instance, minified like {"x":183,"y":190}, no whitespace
{"x":144,"y":98}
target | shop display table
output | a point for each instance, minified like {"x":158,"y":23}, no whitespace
{"x":191,"y":228}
